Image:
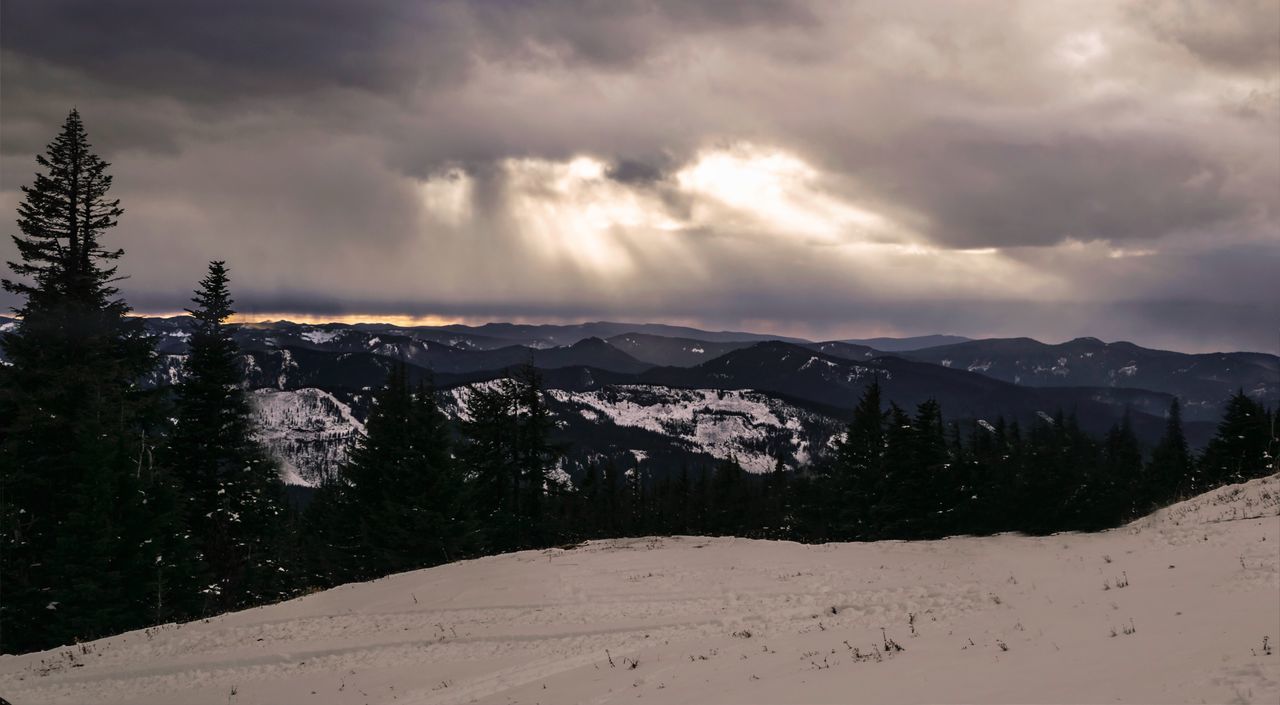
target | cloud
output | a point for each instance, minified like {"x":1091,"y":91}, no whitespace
{"x":836,"y":167}
{"x":1237,"y":35}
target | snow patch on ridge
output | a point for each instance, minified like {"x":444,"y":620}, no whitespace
{"x":320,"y":337}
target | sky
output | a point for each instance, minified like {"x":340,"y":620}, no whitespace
{"x":817,"y":169}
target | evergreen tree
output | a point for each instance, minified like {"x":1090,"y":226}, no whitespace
{"x":487,"y":459}
{"x":899,"y":510}
{"x":613,"y":480}
{"x":632,"y":502}
{"x":591,"y":499}
{"x":681,"y":508}
{"x":776,"y":502}
{"x":230,"y":483}
{"x":73,"y":425}
{"x":401,"y":488}
{"x":509,"y":458}
{"x":935,"y":488}
{"x":1115,"y":485}
{"x":1169,"y":475}
{"x":1241,"y":448}
{"x":535,"y":456}
{"x":327,"y":541}
{"x":858,"y":469}
{"x":729,"y":496}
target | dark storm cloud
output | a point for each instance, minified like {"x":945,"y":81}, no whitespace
{"x":389,"y":155}
{"x":979,"y":190}
{"x":239,"y":49}
{"x":629,"y":171}
{"x":1237,"y":34}
{"x":233,"y":50}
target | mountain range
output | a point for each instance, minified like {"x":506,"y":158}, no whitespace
{"x":665,"y":397}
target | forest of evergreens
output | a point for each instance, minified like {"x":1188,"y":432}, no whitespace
{"x":124,"y":506}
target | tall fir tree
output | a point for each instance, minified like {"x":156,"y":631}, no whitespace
{"x":935,"y":485}
{"x":729,"y":496}
{"x":509,"y":459}
{"x":231,"y":488}
{"x":1115,"y":487}
{"x":487,"y":458}
{"x":1242,"y":448}
{"x":535,"y":456}
{"x":401,"y":486}
{"x":859,"y":466}
{"x":1169,"y":473}
{"x":73,"y":423}
{"x":899,"y":505}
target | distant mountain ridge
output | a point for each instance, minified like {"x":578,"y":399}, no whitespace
{"x":909,"y":343}
{"x":569,"y":334}
{"x":1202,"y":381}
{"x":640,"y":398}
{"x":804,"y":384}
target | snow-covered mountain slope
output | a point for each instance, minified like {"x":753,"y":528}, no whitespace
{"x":642,"y":423}
{"x":755,"y":428}
{"x":309,"y":430}
{"x":1167,"y":610}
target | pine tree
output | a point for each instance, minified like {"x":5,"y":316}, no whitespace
{"x":613,"y":480}
{"x":1169,"y":475}
{"x":859,"y":470}
{"x":487,"y":459}
{"x":591,"y":498}
{"x":509,"y":458}
{"x":681,"y":498}
{"x":401,"y":489}
{"x":1114,"y":487}
{"x":327,"y":542}
{"x":230,"y":483}
{"x":899,"y":511}
{"x":73,"y":425}
{"x":535,"y":456}
{"x":729,"y":496}
{"x":1241,"y":449}
{"x":935,"y":488}
{"x":776,"y":502}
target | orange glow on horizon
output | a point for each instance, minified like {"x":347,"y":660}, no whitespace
{"x":395,"y":319}
{"x":756,"y":326}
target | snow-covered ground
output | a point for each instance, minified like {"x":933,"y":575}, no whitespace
{"x":1174,"y":608}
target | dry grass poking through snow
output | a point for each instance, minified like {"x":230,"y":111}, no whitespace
{"x":1183,"y":606}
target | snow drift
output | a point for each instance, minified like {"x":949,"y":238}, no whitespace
{"x":1180,"y":606}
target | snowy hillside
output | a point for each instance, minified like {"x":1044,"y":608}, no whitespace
{"x":755,"y":428}
{"x":1178,"y":607}
{"x":309,"y":430}
{"x":749,"y":426}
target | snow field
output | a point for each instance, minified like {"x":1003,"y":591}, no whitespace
{"x":1172,"y":608}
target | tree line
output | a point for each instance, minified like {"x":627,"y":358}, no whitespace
{"x":124,"y":506}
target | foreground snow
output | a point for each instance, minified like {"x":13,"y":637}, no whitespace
{"x":1173,"y":608}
